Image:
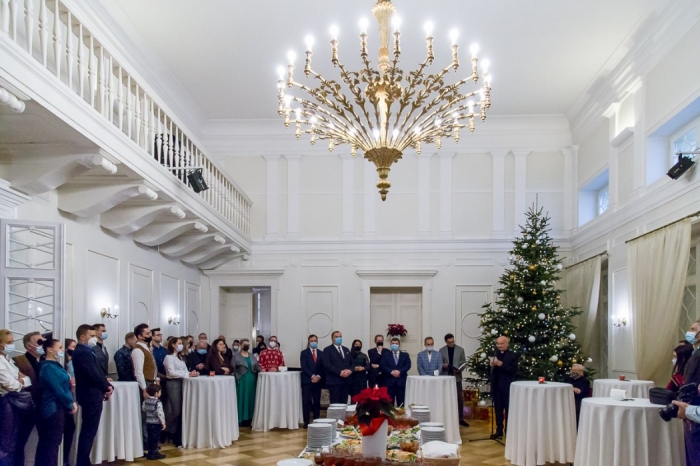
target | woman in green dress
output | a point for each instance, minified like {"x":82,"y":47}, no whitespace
{"x":246,"y":369}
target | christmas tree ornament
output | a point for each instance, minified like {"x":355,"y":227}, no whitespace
{"x":533,"y":267}
{"x":525,"y":246}
{"x":541,"y":316}
{"x":533,"y":308}
{"x":483,"y":355}
{"x":559,"y":363}
{"x":572,"y":337}
{"x":589,"y":360}
{"x":531,"y":339}
{"x":559,"y":267}
{"x":482,"y":402}
{"x":520,"y":300}
{"x":543,"y":283}
{"x":534,"y":292}
{"x":554,"y":358}
{"x":494,"y":332}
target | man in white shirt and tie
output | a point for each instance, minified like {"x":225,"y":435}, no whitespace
{"x":429,"y":360}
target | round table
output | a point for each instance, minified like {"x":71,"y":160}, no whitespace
{"x":278,"y":401}
{"x":119,"y":434}
{"x":619,"y":433}
{"x":541,"y":423}
{"x":209,"y":412}
{"x":440,"y":394}
{"x":633,"y":388}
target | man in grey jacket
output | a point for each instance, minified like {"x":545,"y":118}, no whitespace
{"x":453,"y":363}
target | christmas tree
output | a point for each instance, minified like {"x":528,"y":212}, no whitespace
{"x":528,"y":310}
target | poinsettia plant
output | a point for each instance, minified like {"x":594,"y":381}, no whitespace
{"x":396,"y":330}
{"x":374,"y":406}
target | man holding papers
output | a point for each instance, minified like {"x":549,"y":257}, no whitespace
{"x":453,"y":363}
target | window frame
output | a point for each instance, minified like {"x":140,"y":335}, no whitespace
{"x":690,"y":127}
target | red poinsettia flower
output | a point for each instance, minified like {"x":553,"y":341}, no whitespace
{"x":374,"y":406}
{"x":376,"y":395}
{"x":395,"y":330}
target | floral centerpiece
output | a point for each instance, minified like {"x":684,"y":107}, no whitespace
{"x":396,"y":330}
{"x":374,"y":411}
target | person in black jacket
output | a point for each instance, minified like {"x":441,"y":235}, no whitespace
{"x":374,"y":375}
{"x":91,"y":388}
{"x":311,"y":379}
{"x":337,"y":364}
{"x":503,"y":370}
{"x":582,"y":386}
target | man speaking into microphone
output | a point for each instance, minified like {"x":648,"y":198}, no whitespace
{"x":504,"y":366}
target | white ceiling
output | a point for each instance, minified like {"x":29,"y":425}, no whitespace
{"x":224,"y":53}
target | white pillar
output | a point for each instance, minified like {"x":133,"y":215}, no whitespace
{"x":370,"y":194}
{"x":640,"y":156}
{"x":292,"y":197}
{"x":498,"y":159}
{"x":273,"y":205}
{"x":348,"y":231}
{"x":446,"y":195}
{"x":424,"y":195}
{"x":520,"y":187}
{"x":570,"y":155}
{"x":612,"y":114}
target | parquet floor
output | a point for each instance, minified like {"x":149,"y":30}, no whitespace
{"x":266,"y":449}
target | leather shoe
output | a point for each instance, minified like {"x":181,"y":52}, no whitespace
{"x":463,"y":423}
{"x":496,"y":436}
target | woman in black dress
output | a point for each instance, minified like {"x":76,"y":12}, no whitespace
{"x":360,"y":366}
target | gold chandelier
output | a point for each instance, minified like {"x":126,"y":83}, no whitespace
{"x":382,"y":112}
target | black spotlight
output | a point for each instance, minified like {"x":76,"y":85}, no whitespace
{"x":197,"y":181}
{"x":682,"y":166}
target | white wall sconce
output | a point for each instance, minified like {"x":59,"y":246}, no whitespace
{"x":174,"y":320}
{"x":108,"y":313}
{"x":619,"y":321}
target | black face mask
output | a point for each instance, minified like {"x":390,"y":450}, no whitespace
{"x":357,"y":348}
{"x":380,"y":343}
{"x":246,"y":347}
{"x":148,"y":340}
{"x":69,"y":352}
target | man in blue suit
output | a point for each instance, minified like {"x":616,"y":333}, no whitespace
{"x":429,"y":360}
{"x":337,"y":365}
{"x":92,"y":388}
{"x":311,"y":379}
{"x":395,"y":366}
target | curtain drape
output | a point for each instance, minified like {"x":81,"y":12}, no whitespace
{"x":658,"y":265}
{"x":582,"y":290}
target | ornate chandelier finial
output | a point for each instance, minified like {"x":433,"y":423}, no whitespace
{"x":386,"y":110}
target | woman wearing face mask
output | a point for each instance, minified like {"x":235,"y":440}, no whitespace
{"x":217,"y":361}
{"x":56,"y":401}
{"x":246,"y":369}
{"x":681,"y":355}
{"x":11,"y":383}
{"x":175,"y":371}
{"x":360,"y":365}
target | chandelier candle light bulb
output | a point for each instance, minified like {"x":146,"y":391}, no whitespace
{"x":383,"y":111}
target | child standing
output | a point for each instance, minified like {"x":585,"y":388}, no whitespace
{"x":155,"y":420}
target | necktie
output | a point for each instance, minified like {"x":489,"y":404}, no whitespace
{"x":313,"y":353}
{"x":340,"y":350}
{"x":396,"y":358}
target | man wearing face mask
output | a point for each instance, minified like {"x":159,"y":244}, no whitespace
{"x":197,"y":360}
{"x":395,"y":365}
{"x":311,"y":376}
{"x":145,"y":368}
{"x":236,"y":346}
{"x":375,"y":376}
{"x":122,"y":359}
{"x":429,"y":361}
{"x":28,"y":363}
{"x":100,"y":349}
{"x":337,"y":364}
{"x":582,"y":386}
{"x":91,"y":389}
{"x":692,"y":375}
{"x":271,"y":358}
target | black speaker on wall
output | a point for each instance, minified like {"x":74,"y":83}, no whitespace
{"x":196,"y":181}
{"x":683,"y":165}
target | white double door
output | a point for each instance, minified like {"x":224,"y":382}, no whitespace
{"x":397,"y":306}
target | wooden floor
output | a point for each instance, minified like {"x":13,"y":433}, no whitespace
{"x":263,"y":449}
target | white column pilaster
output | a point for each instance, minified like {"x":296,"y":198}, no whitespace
{"x":370,"y":195}
{"x":293,"y":197}
{"x":10,"y":200}
{"x":272,"y":195}
{"x":640,"y":157}
{"x":446,"y":195}
{"x":520,"y":187}
{"x":424,"y":195}
{"x":570,"y":155}
{"x":612,"y":114}
{"x":348,"y":231}
{"x":498,"y":159}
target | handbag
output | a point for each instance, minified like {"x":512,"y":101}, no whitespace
{"x":661,"y":396}
{"x":20,"y":401}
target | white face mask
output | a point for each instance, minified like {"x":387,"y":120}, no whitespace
{"x":236,"y":347}
{"x":92,"y":341}
{"x":179,"y":347}
{"x":9,"y":348}
{"x":429,"y":348}
{"x":273,"y":344}
{"x":673,"y":361}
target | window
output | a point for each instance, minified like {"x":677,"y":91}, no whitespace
{"x":684,"y":141}
{"x":603,"y":196}
{"x":593,"y":198}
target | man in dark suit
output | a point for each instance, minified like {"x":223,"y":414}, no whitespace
{"x":337,"y":365}
{"x":92,"y":388}
{"x":197,"y":360}
{"x":375,"y":376}
{"x":452,"y":359}
{"x":311,"y":379}
{"x":503,"y":370}
{"x":100,"y":349}
{"x":395,"y":366}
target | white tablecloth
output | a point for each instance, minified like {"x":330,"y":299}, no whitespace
{"x":119,"y":434}
{"x":278,"y":401}
{"x":440,"y":394}
{"x":619,"y":433}
{"x":541,"y":423}
{"x":634,"y":388}
{"x":209,"y":412}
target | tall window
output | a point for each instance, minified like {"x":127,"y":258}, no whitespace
{"x":685,"y":140}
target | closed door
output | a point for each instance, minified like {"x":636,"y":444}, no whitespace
{"x":398,"y":306}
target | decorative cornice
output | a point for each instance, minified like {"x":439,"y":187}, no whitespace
{"x":389,"y":273}
{"x":238,"y":274}
{"x":10,"y":199}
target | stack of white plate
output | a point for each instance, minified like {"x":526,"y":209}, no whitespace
{"x":431,"y":424}
{"x":319,"y":435}
{"x":329,"y":422}
{"x":337,"y":411}
{"x":431,"y":434}
{"x":421,"y":415}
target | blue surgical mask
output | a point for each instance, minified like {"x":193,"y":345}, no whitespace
{"x":40,"y":351}
{"x":180,"y":347}
{"x":691,"y":337}
{"x":9,"y":348}
{"x":394,"y":347}
{"x":104,"y":335}
{"x":60,"y":355}
{"x":202,"y":351}
{"x":313,"y":344}
{"x":338,"y":341}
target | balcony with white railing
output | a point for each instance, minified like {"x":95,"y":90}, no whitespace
{"x":49,"y":32}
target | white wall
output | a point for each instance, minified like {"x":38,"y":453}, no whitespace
{"x":103,"y":269}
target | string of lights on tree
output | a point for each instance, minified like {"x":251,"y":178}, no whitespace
{"x":528,"y":310}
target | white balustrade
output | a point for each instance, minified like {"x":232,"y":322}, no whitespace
{"x":79,"y":60}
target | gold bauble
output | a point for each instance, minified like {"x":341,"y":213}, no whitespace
{"x":534,"y":292}
{"x":533,"y":267}
{"x":559,"y":363}
{"x":512,"y":277}
{"x":573,"y":361}
{"x":505,"y":332}
{"x":534,"y":308}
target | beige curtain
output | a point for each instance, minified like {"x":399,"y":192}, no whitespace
{"x":582,"y":290}
{"x":658,"y":265}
